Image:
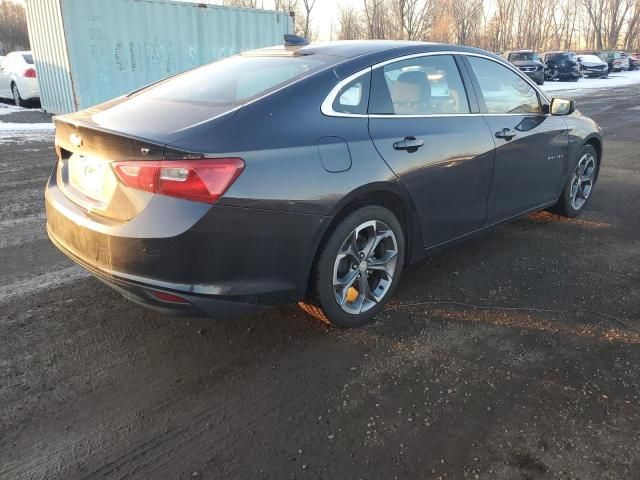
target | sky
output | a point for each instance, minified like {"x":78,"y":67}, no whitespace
{"x":324,"y":11}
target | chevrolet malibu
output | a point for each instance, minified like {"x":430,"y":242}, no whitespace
{"x":309,"y":173}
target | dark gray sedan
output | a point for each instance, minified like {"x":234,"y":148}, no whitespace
{"x":309,"y":173}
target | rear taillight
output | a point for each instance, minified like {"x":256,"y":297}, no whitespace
{"x":30,"y":73}
{"x":197,"y":180}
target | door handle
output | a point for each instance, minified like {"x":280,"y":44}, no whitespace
{"x":410,"y":144}
{"x":506,"y":133}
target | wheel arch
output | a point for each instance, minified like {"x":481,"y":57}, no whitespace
{"x":596,"y":143}
{"x":389,"y":195}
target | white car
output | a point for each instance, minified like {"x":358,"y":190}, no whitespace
{"x":18,"y":78}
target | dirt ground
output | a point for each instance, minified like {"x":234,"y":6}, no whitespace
{"x":513,"y":356}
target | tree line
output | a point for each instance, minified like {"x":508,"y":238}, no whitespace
{"x":13,"y":28}
{"x":496,"y":25}
{"x":499,"y":25}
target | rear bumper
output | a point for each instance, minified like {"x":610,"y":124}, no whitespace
{"x":29,"y":88}
{"x":223,"y":260}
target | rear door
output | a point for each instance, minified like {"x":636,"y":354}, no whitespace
{"x":425,"y":125}
{"x":531,"y":146}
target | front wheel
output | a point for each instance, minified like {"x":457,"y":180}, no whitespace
{"x":579,"y":186}
{"x":358,"y":268}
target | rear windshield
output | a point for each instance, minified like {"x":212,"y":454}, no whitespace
{"x":28,"y":58}
{"x":237,"y":79}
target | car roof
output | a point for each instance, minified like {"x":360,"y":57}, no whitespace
{"x":521,"y":51}
{"x":356,"y":48}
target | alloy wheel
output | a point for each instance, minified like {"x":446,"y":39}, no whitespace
{"x":365,"y":266}
{"x":582,"y":181}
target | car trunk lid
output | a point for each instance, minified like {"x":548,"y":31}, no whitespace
{"x":89,"y":142}
{"x":84,"y":174}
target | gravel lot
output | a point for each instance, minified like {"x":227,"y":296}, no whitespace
{"x":543,"y":381}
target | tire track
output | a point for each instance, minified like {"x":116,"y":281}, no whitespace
{"x":42,"y":282}
{"x":17,"y":231}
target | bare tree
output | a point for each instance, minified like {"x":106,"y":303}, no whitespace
{"x":349,"y":23}
{"x":244,"y":3}
{"x":307,"y":5}
{"x":13,"y":28}
{"x":466,"y":15}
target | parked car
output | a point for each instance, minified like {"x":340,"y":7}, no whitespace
{"x":561,"y":66}
{"x":529,"y":63}
{"x":614,"y":60}
{"x":634,"y":60}
{"x":206,"y":193}
{"x":592,"y":66}
{"x":18,"y":78}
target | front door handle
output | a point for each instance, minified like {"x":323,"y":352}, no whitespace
{"x":410,"y":144}
{"x":506,"y":133}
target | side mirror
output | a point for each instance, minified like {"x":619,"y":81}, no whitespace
{"x":560,"y":107}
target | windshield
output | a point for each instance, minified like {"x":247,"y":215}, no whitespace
{"x":235,"y":80}
{"x":523,"y":57}
{"x":589,"y":58}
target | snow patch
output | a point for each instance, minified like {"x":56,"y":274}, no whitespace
{"x":6,"y":109}
{"x":24,"y":127}
{"x":584,"y":85}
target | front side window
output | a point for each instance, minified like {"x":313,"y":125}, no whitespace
{"x":503,"y":90}
{"x":427,"y":85}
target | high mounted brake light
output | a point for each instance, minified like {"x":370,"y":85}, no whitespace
{"x":198,"y":180}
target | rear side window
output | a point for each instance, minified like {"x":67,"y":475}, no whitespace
{"x":236,"y":80}
{"x":427,"y":85}
{"x":354,"y":97}
{"x":503,"y":90}
{"x":28,"y":58}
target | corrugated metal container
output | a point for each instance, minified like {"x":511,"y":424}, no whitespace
{"x":88,"y":51}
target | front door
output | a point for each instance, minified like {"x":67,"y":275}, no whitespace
{"x":421,"y":124}
{"x":531,"y":146}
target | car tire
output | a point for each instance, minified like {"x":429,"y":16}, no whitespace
{"x":579,"y":186}
{"x":346,"y":290}
{"x":17,"y":99}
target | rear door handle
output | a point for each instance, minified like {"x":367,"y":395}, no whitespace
{"x":506,"y":133}
{"x":410,"y":144}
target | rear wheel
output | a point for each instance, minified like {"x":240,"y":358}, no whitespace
{"x":579,"y":186}
{"x":17,"y":99}
{"x":358,"y":268}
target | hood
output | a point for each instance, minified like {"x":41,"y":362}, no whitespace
{"x":593,"y":64}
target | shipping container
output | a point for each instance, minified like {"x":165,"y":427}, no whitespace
{"x":88,"y":51}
